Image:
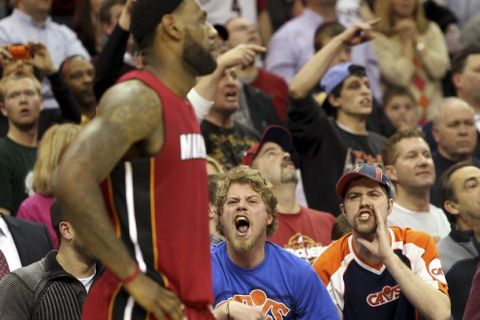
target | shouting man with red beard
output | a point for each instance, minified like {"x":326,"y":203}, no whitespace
{"x":254,"y":278}
{"x":378,"y":272}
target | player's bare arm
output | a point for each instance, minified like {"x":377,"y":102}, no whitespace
{"x":128,"y":113}
{"x":429,"y":301}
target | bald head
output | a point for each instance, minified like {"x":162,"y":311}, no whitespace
{"x":454,"y":129}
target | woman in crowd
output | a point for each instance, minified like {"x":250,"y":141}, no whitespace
{"x":50,"y":150}
{"x":411,"y":51}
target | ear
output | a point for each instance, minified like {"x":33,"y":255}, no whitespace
{"x":172,"y":27}
{"x":269,"y":219}
{"x":457,"y":80}
{"x":391,"y":172}
{"x":334,"y":101}
{"x":342,"y":210}
{"x":451,"y":207}
{"x":390,"y":206}
{"x":66,"y":230}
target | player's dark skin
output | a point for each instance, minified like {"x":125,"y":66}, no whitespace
{"x":129,"y":124}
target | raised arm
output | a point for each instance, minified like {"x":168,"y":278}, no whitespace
{"x":241,"y":55}
{"x":202,"y":95}
{"x":311,"y":73}
{"x":88,"y":161}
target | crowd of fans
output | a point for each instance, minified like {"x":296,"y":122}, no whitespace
{"x":313,"y":109}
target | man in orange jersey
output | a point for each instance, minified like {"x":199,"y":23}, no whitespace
{"x":375,"y":271}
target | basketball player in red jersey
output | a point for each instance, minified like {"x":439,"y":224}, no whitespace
{"x":135,"y":182}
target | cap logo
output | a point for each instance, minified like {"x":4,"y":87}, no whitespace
{"x":378,"y":174}
{"x":357,"y":168}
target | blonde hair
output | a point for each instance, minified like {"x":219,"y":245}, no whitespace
{"x":16,"y":77}
{"x":50,"y":150}
{"x":247,"y":175}
{"x":384,"y":11}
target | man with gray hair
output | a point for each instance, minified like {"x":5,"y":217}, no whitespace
{"x":456,"y":137}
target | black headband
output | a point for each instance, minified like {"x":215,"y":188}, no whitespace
{"x":147,"y":14}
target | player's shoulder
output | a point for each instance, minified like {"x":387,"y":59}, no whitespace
{"x":130,"y":97}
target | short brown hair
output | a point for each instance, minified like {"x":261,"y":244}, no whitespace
{"x":389,"y":150}
{"x":247,"y":175}
{"x":392,"y":92}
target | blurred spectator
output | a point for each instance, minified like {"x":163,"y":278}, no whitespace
{"x":302,"y":231}
{"x":115,"y":59}
{"x":409,"y":165}
{"x":54,"y":287}
{"x":250,"y":271}
{"x":219,"y":11}
{"x":50,"y":150}
{"x":463,"y":9}
{"x":87,"y":26}
{"x":448,"y":23}
{"x":215,"y":237}
{"x":62,"y":11}
{"x":21,"y":243}
{"x":241,"y":31}
{"x":30,"y":22}
{"x":329,"y":147}
{"x":471,"y":32}
{"x":41,"y":66}
{"x":411,"y":52}
{"x":400,"y":108}
{"x":281,"y":11}
{"x":21,"y":102}
{"x":292,"y":45}
{"x":466,"y":78}
{"x":78,"y":73}
{"x":455,"y":134}
{"x":226,"y":140}
{"x":459,"y":252}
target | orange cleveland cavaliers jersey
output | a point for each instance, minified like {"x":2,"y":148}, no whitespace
{"x":159,"y":209}
{"x":362,"y":291}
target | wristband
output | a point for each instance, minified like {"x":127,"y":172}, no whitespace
{"x":131,"y":277}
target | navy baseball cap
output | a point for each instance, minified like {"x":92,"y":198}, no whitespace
{"x":277,"y":134}
{"x":368,"y":171}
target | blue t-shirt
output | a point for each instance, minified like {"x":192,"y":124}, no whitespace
{"x":283,"y":286}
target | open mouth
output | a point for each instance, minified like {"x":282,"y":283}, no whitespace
{"x":242,"y":225}
{"x":231,"y":95}
{"x":364,"y":216}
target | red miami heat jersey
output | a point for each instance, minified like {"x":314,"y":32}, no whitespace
{"x":360,"y":290}
{"x":159,"y":208}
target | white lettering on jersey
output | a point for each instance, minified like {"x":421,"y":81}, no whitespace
{"x":192,"y":146}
